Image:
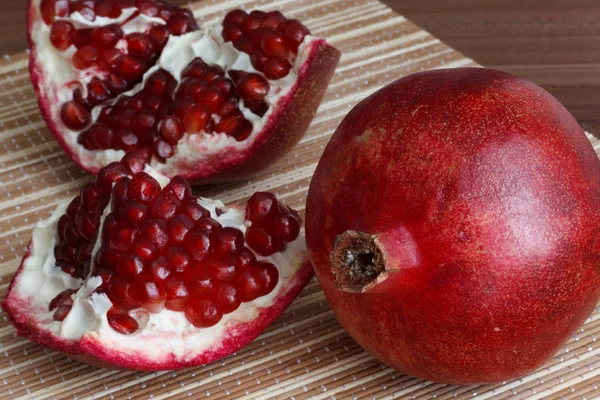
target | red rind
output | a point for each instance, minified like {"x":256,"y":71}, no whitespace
{"x":284,"y":128}
{"x":90,"y":350}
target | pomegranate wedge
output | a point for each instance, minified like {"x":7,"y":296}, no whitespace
{"x":210,"y":104}
{"x":137,"y":273}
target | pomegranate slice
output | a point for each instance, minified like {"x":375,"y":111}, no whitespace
{"x":209,"y":105}
{"x":137,"y":273}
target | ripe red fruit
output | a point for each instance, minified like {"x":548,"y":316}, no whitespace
{"x":436,"y":222}
{"x":182,"y":117}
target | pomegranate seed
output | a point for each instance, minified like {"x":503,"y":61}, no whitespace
{"x":235,"y":124}
{"x":136,"y":160}
{"x":119,"y":193}
{"x":195,"y":69}
{"x":178,"y":259}
{"x":179,"y":187}
{"x":171,"y":129}
{"x":258,"y":60}
{"x":118,"y":292}
{"x":232,"y":32}
{"x":153,"y":102}
{"x":144,"y":248}
{"x":156,"y":231}
{"x":236,"y":17}
{"x":64,"y":252}
{"x":149,"y":292}
{"x":124,"y":139}
{"x":258,"y":13}
{"x":270,"y":274}
{"x":98,"y":92}
{"x":140,"y":45}
{"x":54,"y":8}
{"x":276,"y":68}
{"x":110,"y":222}
{"x":191,"y":87}
{"x":135,"y":212}
{"x":99,"y":135}
{"x":177,"y":293}
{"x":61,"y":312}
{"x":179,"y":24}
{"x":73,"y":207}
{"x":116,"y":84}
{"x":193,"y":210}
{"x":294,"y":33}
{"x":165,"y":13}
{"x":121,"y":322}
{"x":245,"y":257}
{"x":272,"y":19}
{"x":227,"y":298}
{"x":252,"y":87}
{"x":203,"y":313}
{"x":261,"y":241}
{"x":256,"y":36}
{"x":260,"y":206}
{"x":90,"y":198}
{"x":200,"y":281}
{"x":149,"y":8}
{"x":250,"y":283}
{"x":83,"y":37}
{"x":163,"y":149}
{"x":208,"y":225}
{"x":143,"y":188}
{"x":131,"y":68}
{"x":286,"y":228}
{"x":123,"y":235}
{"x":62,"y":35}
{"x":108,"y":175}
{"x":196,"y":118}
{"x":84,"y":57}
{"x":178,"y":227}
{"x":164,"y":206}
{"x":129,"y":267}
{"x":273,"y":45}
{"x":160,"y":35}
{"x":105,"y":9}
{"x":230,"y":106}
{"x":161,"y":83}
{"x":222,"y":267}
{"x":197,"y":243}
{"x":143,"y":125}
{"x":158,"y":268}
{"x":213,"y":97}
{"x":74,"y":115}
{"x":63,"y":298}
{"x":244,"y":44}
{"x":105,"y":37}
{"x":229,"y":240}
{"x":84,"y":226}
{"x":224,"y":84}
{"x":251,"y":22}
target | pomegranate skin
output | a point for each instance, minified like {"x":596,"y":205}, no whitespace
{"x":477,"y":194}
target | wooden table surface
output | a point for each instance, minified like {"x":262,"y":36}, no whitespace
{"x":551,"y":42}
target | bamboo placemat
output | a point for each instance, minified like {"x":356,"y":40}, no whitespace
{"x":305,"y":353}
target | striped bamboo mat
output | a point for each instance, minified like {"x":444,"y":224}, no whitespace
{"x":305,"y":353}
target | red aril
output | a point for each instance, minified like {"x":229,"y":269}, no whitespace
{"x":228,"y":127}
{"x":140,"y":255}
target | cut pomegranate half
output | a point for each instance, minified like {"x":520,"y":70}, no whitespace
{"x":212,"y":104}
{"x":137,"y":273}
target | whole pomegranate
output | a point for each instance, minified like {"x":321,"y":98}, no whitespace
{"x":213,"y":104}
{"x":454,"y":224}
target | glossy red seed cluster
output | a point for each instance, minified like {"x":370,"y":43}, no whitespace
{"x":157,"y":117}
{"x":273,"y":224}
{"x":161,"y":249}
{"x":77,"y":230}
{"x":118,"y":60}
{"x":270,"y":39}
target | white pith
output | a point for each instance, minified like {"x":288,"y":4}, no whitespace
{"x":161,"y":336}
{"x":206,"y":43}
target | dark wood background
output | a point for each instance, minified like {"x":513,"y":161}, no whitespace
{"x":555,"y":43}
